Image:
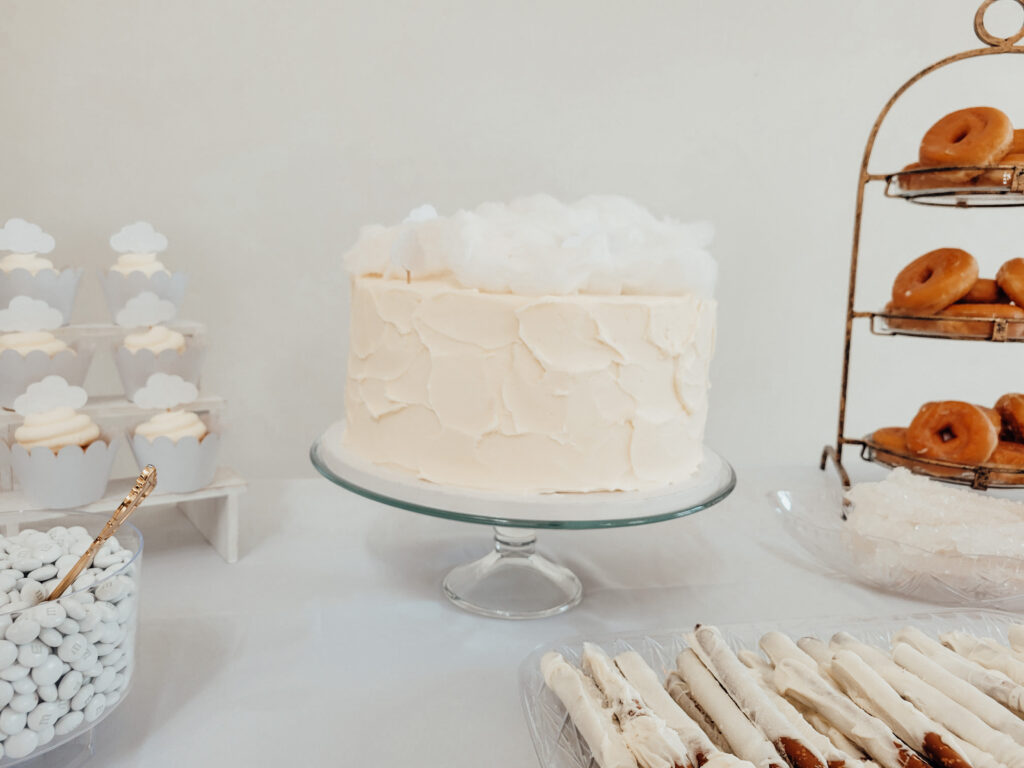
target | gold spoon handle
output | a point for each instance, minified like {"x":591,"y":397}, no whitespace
{"x":144,"y":485}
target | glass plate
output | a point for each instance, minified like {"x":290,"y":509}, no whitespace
{"x":814,"y":517}
{"x":714,"y":481}
{"x":555,"y":739}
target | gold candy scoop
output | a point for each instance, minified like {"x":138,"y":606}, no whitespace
{"x":144,"y":485}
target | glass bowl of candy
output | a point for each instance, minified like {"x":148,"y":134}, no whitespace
{"x":65,"y":664}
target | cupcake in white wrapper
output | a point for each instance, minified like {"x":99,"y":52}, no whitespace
{"x":23,"y":272}
{"x":28,"y":357}
{"x":57,"y":289}
{"x":138,"y":271}
{"x":181,"y":446}
{"x":61,"y":458}
{"x":158,"y":350}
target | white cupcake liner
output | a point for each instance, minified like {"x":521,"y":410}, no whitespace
{"x":17,"y":371}
{"x":183,"y":466}
{"x":135,"y":368}
{"x":57,"y":289}
{"x":119,"y":288}
{"x":72,"y":478}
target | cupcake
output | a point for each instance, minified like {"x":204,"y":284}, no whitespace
{"x":158,"y":350}
{"x":60,"y":456}
{"x":30,"y":356}
{"x":182,"y":448}
{"x":23,"y":272}
{"x":138,"y":270}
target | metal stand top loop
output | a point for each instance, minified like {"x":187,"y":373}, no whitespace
{"x":987,"y":37}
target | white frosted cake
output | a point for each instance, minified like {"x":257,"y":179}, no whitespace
{"x":532,"y":347}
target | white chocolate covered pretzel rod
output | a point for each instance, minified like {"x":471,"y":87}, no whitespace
{"x":796,"y":680}
{"x":780,"y":647}
{"x":680,"y":693}
{"x":741,"y":685}
{"x":960,"y":691}
{"x":987,"y":652}
{"x":1016,"y":637}
{"x":834,"y":757}
{"x":586,"y":709}
{"x":870,"y":691}
{"x":972,"y":730}
{"x":744,"y":738}
{"x":988,"y":681}
{"x":639,"y":674}
{"x":652,"y":742}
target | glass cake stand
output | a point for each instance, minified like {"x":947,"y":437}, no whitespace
{"x":513,"y":581}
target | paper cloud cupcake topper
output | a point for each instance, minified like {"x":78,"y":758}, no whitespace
{"x":48,"y":394}
{"x":20,"y":236}
{"x":145,"y":309}
{"x":163,"y":390}
{"x":139,"y":237}
{"x":27,"y":314}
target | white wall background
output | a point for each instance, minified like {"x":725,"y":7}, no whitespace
{"x":259,"y":135}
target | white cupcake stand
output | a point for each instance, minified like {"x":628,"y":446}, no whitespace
{"x":513,"y":581}
{"x":213,"y":510}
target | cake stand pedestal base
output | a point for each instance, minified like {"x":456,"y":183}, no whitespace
{"x":513,"y":581}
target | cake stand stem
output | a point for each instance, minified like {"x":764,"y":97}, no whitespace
{"x":513,"y":581}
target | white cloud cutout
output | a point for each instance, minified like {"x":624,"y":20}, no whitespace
{"x":145,"y":309}
{"x":27,"y":314}
{"x":163,"y":390}
{"x":20,"y":236}
{"x":52,"y":392}
{"x":139,"y":237}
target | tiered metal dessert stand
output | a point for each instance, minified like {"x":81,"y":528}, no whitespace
{"x":1010,"y":193}
{"x":513,"y":581}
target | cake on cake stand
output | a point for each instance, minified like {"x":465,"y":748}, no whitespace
{"x":513,"y":581}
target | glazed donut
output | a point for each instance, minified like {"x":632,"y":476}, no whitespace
{"x":981,"y":329}
{"x":890,"y":440}
{"x":1008,"y":455}
{"x":1011,"y":409}
{"x":985,"y":291}
{"x":903,"y":323}
{"x":932,"y":282}
{"x":1002,"y":177}
{"x":928,"y":179}
{"x":953,"y":431}
{"x":973,"y":136}
{"x":1011,"y":279}
{"x":1017,"y":144}
{"x":994,"y":417}
{"x":891,"y":449}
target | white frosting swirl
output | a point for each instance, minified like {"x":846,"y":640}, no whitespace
{"x":31,"y":262}
{"x":57,"y":428}
{"x":537,"y":246}
{"x":156,"y":340}
{"x":24,"y":342}
{"x":146,"y":263}
{"x":174,"y":425}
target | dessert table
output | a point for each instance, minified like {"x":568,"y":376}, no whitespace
{"x":330,"y":642}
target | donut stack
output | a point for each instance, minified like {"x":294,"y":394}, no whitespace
{"x":944,"y":283}
{"x":964,"y":140}
{"x":959,"y":433}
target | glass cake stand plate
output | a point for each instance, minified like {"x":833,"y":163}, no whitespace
{"x":513,"y":581}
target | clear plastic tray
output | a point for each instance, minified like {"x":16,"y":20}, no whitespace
{"x":814,"y":517}
{"x":556,"y":741}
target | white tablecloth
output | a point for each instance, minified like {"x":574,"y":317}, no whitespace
{"x":330,"y":642}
